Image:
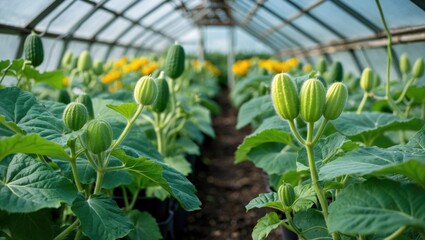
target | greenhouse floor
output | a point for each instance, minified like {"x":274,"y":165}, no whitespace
{"x":225,"y":188}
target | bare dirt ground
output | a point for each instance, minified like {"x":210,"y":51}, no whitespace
{"x":225,"y":188}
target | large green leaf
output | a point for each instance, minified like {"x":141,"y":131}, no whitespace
{"x":273,"y":130}
{"x":145,"y":226}
{"x":328,"y":149}
{"x":34,"y":226}
{"x":201,"y":117}
{"x":270,"y":200}
{"x":377,"y":206}
{"x":271,"y":158}
{"x":163,"y":175}
{"x":179,"y":163}
{"x":30,"y":144}
{"x":378,"y":161}
{"x":259,"y":106}
{"x":265,"y":225}
{"x":125,"y":109}
{"x":312,"y":224}
{"x":29,"y":185}
{"x":418,"y":140}
{"x":21,"y":108}
{"x":101,"y":218}
{"x":367,"y":126}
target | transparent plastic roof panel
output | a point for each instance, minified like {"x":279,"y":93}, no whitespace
{"x":28,"y":10}
{"x":93,"y":24}
{"x":114,"y":29}
{"x":348,"y":26}
{"x":128,"y":37}
{"x":99,"y":51}
{"x":141,"y":8}
{"x":398,"y":13}
{"x":161,"y":12}
{"x":65,"y":17}
{"x":8,"y":46}
{"x":118,"y":5}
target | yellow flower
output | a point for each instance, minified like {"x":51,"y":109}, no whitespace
{"x":241,"y":67}
{"x":65,"y":81}
{"x":149,"y":68}
{"x":292,"y":62}
{"x":110,"y":77}
{"x":115,"y":86}
{"x":307,"y":68}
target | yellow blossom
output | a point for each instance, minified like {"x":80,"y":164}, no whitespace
{"x":307,"y":68}
{"x":115,"y":86}
{"x":65,"y":81}
{"x":149,"y":68}
{"x":111,"y":76}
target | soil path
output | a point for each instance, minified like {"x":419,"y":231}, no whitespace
{"x":225,"y":188}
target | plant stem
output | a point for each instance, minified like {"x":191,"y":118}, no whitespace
{"x":389,"y":60}
{"x":295,"y":132}
{"x":159,"y":134}
{"x":320,"y":131}
{"x":362,"y":103}
{"x":99,"y":179}
{"x":68,"y":230}
{"x":133,"y":200}
{"x":127,"y":127}
{"x":397,"y":233}
{"x":78,"y":235}
{"x":75,"y":174}
{"x":314,"y":176}
{"x":5,"y":72}
{"x":406,"y":87}
{"x":124,"y":194}
{"x":294,"y":228}
{"x":74,"y":165}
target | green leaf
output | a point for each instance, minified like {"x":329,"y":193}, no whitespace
{"x":265,"y":225}
{"x":378,"y":161}
{"x":30,"y":144}
{"x":188,"y":146}
{"x":272,"y":130}
{"x":29,"y":185}
{"x":163,"y":175}
{"x":328,"y":149}
{"x":21,"y":108}
{"x":306,"y":197}
{"x":271,"y":158}
{"x":256,"y":107}
{"x":312,"y":224}
{"x":201,"y":117}
{"x":34,"y":226}
{"x":54,"y":78}
{"x":367,"y":126}
{"x":11,"y":127}
{"x":377,"y":206}
{"x":270,"y":200}
{"x":145,"y":226}
{"x":418,"y":140}
{"x":125,"y":109}
{"x":179,"y":163}
{"x":101,"y":218}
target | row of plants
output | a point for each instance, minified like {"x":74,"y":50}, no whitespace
{"x":343,"y":155}
{"x":85,"y":149}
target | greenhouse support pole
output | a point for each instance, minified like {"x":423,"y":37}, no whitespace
{"x":201,"y":45}
{"x":231,"y":57}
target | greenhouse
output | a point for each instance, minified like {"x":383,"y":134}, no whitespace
{"x":212,"y":119}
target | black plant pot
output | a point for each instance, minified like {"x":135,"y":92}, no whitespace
{"x":162,"y":211}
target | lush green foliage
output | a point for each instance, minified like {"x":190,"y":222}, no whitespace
{"x":357,"y":173}
{"x":61,"y":164}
